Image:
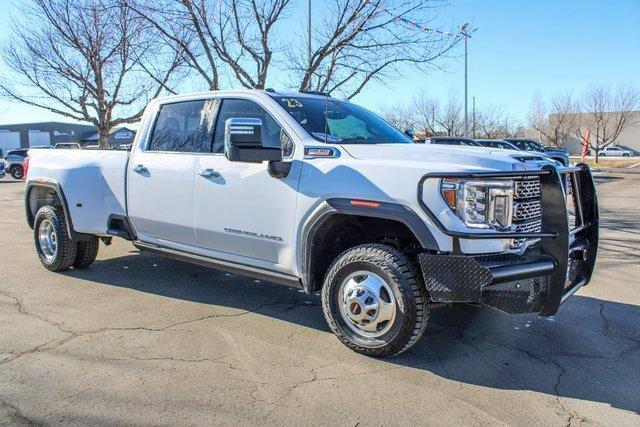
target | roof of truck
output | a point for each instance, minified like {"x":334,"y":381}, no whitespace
{"x":259,"y":92}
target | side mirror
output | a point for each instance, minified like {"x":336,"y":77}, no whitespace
{"x":410,"y":133}
{"x":243,"y":142}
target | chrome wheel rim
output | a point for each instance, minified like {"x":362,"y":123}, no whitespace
{"x":48,"y":239}
{"x":367,"y":304}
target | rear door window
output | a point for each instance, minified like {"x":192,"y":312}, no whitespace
{"x":185,"y":127}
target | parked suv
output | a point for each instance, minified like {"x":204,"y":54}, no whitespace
{"x":557,"y":154}
{"x":14,"y":160}
{"x":616,"y":152}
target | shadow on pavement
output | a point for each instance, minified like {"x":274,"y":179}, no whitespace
{"x":588,"y":351}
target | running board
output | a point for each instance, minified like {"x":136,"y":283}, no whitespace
{"x":230,"y":267}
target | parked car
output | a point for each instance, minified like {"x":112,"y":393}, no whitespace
{"x":616,"y":152}
{"x":13,"y":161}
{"x":452,"y":140}
{"x":496,"y":143}
{"x":531,"y":145}
{"x":317,"y":193}
{"x":2,"y":168}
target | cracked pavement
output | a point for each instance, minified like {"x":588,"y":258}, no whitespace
{"x":140,"y":339}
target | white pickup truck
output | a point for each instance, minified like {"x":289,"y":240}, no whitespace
{"x":309,"y":191}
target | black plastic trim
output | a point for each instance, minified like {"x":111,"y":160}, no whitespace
{"x":126,"y":233}
{"x":63,"y":201}
{"x":240,"y":269}
{"x":391,"y":211}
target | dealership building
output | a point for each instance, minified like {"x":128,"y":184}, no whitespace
{"x":26,"y":135}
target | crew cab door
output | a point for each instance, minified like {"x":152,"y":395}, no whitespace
{"x":241,"y":213}
{"x":160,"y":176}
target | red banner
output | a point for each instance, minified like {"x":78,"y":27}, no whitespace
{"x":585,"y":143}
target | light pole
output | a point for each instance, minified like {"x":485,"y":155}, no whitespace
{"x":466,"y":36}
{"x":309,"y":40}
{"x":473,"y":120}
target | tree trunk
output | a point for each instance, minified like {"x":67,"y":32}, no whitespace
{"x":104,"y":139}
{"x":597,"y":155}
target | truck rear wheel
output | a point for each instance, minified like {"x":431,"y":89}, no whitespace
{"x":373,"y":300}
{"x":54,"y":247}
{"x":87,"y":251}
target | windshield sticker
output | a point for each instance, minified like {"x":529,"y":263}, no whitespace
{"x":326,"y":137}
{"x":292,"y":103}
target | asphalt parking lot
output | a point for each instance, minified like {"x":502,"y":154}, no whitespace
{"x":140,"y":339}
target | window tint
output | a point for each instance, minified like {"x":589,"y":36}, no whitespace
{"x":185,"y":127}
{"x":272,"y":133}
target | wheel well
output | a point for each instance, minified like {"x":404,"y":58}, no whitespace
{"x":38,"y":197}
{"x":339,"y":232}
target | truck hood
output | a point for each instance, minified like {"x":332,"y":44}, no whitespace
{"x":446,"y":157}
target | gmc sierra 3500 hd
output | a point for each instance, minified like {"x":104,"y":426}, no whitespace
{"x":309,"y":191}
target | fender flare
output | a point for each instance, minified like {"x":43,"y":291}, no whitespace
{"x":384,"y":210}
{"x":52,"y":185}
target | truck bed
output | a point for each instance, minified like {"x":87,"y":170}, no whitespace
{"x":93,"y":182}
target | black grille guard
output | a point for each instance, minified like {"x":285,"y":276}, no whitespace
{"x":565,"y":256}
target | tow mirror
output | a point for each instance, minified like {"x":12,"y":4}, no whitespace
{"x":243,"y":142}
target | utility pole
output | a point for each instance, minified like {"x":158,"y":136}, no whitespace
{"x":466,"y":36}
{"x":309,"y":34}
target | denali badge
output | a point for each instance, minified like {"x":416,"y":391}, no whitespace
{"x":313,"y":152}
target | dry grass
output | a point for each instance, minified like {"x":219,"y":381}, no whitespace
{"x":609,"y":162}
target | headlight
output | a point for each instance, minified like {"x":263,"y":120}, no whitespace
{"x":480,"y":203}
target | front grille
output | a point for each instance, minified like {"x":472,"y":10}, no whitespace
{"x":528,"y":227}
{"x":523,"y":211}
{"x":527,"y":208}
{"x":527,"y":189}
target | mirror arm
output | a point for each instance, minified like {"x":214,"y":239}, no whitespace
{"x":279,"y":169}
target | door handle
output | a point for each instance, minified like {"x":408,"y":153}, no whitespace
{"x":209,"y":173}
{"x":140,"y":169}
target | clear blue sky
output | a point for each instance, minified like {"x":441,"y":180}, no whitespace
{"x":520,"y":48}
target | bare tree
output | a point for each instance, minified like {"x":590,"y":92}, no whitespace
{"x":493,"y":122}
{"x":451,"y":118}
{"x":89,"y":60}
{"x":360,"y":41}
{"x":607,"y":112}
{"x":425,"y":110}
{"x":218,"y":37}
{"x":399,"y":115}
{"x":555,"y":121}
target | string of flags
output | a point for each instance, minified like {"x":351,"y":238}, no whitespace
{"x":400,"y":18}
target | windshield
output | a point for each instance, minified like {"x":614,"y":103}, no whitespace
{"x":341,"y":122}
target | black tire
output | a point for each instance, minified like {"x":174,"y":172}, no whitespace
{"x":17,"y":172}
{"x":65,"y":252}
{"x":86,"y":252}
{"x":625,"y":155}
{"x":400,"y":276}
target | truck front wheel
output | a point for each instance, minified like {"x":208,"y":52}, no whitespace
{"x":373,"y":300}
{"x":54,"y":247}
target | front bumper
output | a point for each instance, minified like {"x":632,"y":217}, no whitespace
{"x":545,"y":275}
